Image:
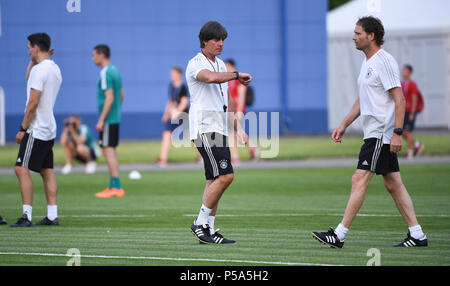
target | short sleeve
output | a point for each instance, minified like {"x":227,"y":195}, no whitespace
{"x":183,"y":91}
{"x":389,"y":73}
{"x":37,"y":79}
{"x":83,"y":130}
{"x":195,"y":66}
{"x":413,"y":88}
{"x":106,"y":79}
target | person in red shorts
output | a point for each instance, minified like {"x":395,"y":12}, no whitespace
{"x":413,"y":102}
{"x":238,"y":93}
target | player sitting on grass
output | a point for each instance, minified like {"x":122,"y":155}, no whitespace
{"x":78,"y":143}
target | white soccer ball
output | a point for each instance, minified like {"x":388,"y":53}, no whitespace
{"x":135,"y":175}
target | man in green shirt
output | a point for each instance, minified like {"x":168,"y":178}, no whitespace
{"x":78,"y":143}
{"x":109,"y":97}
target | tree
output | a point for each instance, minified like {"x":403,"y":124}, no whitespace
{"x":332,"y":4}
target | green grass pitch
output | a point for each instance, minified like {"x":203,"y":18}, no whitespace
{"x":298,"y":147}
{"x":271,"y":214}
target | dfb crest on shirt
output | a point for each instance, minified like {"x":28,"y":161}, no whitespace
{"x":369,"y":72}
{"x":223,"y":164}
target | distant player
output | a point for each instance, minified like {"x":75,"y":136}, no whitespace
{"x":412,"y":98}
{"x":109,"y":97}
{"x":37,"y":132}
{"x":382,"y":107}
{"x":177,"y":103}
{"x":207,"y":79}
{"x":238,"y":92}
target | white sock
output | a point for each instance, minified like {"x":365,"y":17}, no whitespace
{"x":416,"y":231}
{"x":52,"y":212}
{"x":203,"y":215}
{"x":409,"y":153}
{"x":28,"y":210}
{"x":211,"y":220}
{"x":341,"y":231}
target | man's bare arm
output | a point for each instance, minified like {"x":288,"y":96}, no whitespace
{"x":221,"y":77}
{"x":183,"y":104}
{"x":79,"y":139}
{"x":235,"y":119}
{"x":242,"y":90}
{"x":109,"y":94}
{"x":397,"y":94}
{"x":30,"y":111}
{"x":396,"y":140}
{"x":353,"y":114}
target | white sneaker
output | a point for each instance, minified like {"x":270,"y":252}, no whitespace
{"x":66,"y":169}
{"x":91,"y":167}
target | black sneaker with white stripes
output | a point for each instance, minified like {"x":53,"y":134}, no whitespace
{"x":329,"y":238}
{"x":412,"y":242}
{"x":22,"y":222}
{"x":202,"y":233}
{"x":2,"y":220}
{"x":47,"y":221}
{"x":219,"y":239}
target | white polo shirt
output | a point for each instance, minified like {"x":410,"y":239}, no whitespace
{"x":206,"y":112}
{"x":378,"y":75}
{"x":45,"y":77}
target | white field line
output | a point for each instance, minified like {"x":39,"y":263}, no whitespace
{"x":104,"y":216}
{"x":243,"y":215}
{"x":169,"y":259}
{"x":304,"y":214}
{"x":108,"y":215}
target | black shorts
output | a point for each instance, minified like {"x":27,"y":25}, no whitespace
{"x":377,"y":157}
{"x":91,"y":152}
{"x":109,"y":137}
{"x":35,"y":154}
{"x":215,"y":153}
{"x":408,"y":125}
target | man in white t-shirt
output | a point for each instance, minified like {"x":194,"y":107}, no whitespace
{"x":211,"y":108}
{"x":37,"y":132}
{"x":381,"y":106}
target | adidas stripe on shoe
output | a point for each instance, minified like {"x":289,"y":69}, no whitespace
{"x":410,"y":241}
{"x":219,"y":239}
{"x":202,"y":233}
{"x":330,"y":238}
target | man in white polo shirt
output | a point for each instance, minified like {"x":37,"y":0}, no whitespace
{"x":382,"y":108}
{"x":207,"y":79}
{"x":38,"y":130}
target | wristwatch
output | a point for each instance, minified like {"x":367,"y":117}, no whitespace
{"x":237,"y":75}
{"x":21,"y":129}
{"x":398,"y":131}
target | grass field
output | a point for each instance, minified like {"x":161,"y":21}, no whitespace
{"x":289,"y":148}
{"x":269,"y":212}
